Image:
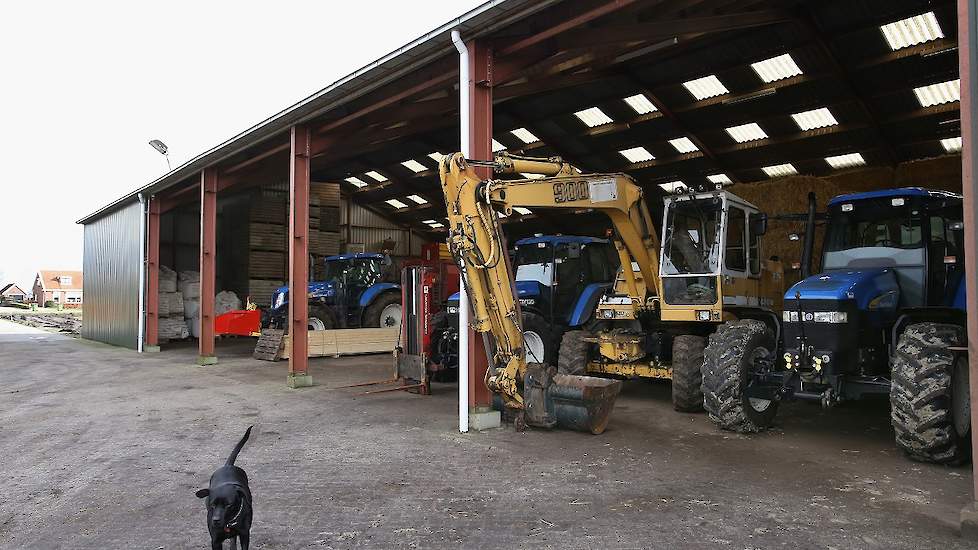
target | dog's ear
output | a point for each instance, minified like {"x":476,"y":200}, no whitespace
{"x":203,"y":493}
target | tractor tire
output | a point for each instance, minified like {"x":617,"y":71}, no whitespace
{"x":538,"y":340}
{"x":687,"y":373}
{"x":572,"y":358}
{"x":726,"y":367}
{"x":385,"y":312}
{"x":929,"y":403}
{"x":321,"y":318}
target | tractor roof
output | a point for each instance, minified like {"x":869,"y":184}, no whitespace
{"x":900,"y":192}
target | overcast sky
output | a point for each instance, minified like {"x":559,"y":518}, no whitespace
{"x":85,"y":85}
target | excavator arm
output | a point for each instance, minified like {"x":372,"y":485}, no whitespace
{"x":476,"y":241}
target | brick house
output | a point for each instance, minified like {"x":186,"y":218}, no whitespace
{"x":12,"y":293}
{"x":63,"y":287}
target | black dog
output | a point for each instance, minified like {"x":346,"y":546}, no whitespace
{"x":229,"y":502}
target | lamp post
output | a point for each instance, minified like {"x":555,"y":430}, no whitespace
{"x":163,"y":150}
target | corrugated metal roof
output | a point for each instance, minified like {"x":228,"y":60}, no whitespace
{"x":477,"y":22}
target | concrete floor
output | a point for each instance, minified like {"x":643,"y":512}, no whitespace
{"x":102,"y":448}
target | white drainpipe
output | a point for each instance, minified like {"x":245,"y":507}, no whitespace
{"x":463,"y":299}
{"x":140,"y":335}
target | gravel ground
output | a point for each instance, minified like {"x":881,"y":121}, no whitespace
{"x":103,"y":448}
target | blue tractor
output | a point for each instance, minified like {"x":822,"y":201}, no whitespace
{"x":353,"y":291}
{"x":559,"y":280}
{"x":885,"y":316}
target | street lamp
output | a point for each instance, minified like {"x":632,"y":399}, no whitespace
{"x":163,"y":150}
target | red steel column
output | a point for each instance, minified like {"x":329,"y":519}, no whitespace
{"x":153,"y":276}
{"x":208,"y":243}
{"x":299,"y":258}
{"x":968,"y":63}
{"x":480,"y":148}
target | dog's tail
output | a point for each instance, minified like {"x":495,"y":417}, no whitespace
{"x":237,"y":448}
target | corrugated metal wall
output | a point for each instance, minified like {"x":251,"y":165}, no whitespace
{"x":111,"y":264}
{"x":372,"y":230}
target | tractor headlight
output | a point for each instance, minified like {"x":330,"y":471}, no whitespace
{"x":279,"y":300}
{"x":830,"y":317}
{"x":789,"y":316}
{"x":703,"y":315}
{"x":453,"y":310}
{"x":608,"y":314}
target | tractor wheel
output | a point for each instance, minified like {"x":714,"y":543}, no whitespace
{"x":538,"y":339}
{"x":320,"y":318}
{"x":687,"y":373}
{"x":726,"y":367}
{"x":572,"y":358}
{"x":385,"y":312}
{"x":929,"y":403}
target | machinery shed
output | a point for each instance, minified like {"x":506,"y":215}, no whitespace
{"x":772,"y":99}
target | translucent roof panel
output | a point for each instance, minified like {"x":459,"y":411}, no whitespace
{"x":593,"y":117}
{"x":939,"y":94}
{"x":706,"y":87}
{"x":952,"y":145}
{"x":637,"y":154}
{"x":780,"y":170}
{"x":640,"y":104}
{"x":356,"y":181}
{"x":672,"y":186}
{"x":377,"y":176}
{"x":522,"y":211}
{"x":684,"y":145}
{"x":816,"y":118}
{"x":912,"y":31}
{"x":849,"y":160}
{"x":776,"y":68}
{"x":722,"y":179}
{"x":418,"y":199}
{"x":497,"y":147}
{"x":414,"y":166}
{"x":396,"y":203}
{"x":747,"y":132}
{"x":525,"y":135}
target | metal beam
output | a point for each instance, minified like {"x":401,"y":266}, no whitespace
{"x":564,"y":26}
{"x":208,"y":251}
{"x":968,"y":64}
{"x":152,"y":268}
{"x":300,"y":138}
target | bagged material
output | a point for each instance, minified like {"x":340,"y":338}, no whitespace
{"x":194,"y":326}
{"x":226,"y":301}
{"x":163,"y":306}
{"x":176,"y":304}
{"x":168,"y":279}
{"x":189,"y":284}
{"x":173,"y":328}
{"x":191,"y":308}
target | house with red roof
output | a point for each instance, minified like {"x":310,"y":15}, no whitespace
{"x":61,"y":286}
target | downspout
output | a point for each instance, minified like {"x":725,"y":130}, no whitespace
{"x":463,"y":299}
{"x":143,"y":212}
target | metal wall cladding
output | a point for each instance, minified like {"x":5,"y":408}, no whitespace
{"x":111,"y":265}
{"x":361,"y":217}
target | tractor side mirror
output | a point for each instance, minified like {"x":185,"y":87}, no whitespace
{"x":758,"y":223}
{"x":957,"y":226}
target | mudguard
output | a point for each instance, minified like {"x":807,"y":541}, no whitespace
{"x":371,"y":293}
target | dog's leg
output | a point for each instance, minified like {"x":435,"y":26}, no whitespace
{"x":217,"y":544}
{"x":245,"y":540}
{"x":234,"y":543}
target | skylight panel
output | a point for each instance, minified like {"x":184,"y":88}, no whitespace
{"x":593,"y":117}
{"x":684,"y":145}
{"x":912,"y":31}
{"x":640,"y":104}
{"x":776,"y":68}
{"x":497,"y":147}
{"x":816,"y":118}
{"x":377,"y":176}
{"x":532,"y":176}
{"x":525,"y":135}
{"x":721,"y":179}
{"x":952,"y":145}
{"x":418,"y":199}
{"x":846,"y":161}
{"x":522,"y":211}
{"x":780,"y":170}
{"x":637,"y":154}
{"x":356,"y":181}
{"x":436,"y":156}
{"x":706,"y":87}
{"x":414,"y":166}
{"x":396,"y":203}
{"x":673,"y":186}
{"x":747,"y":132}
{"x":939,"y":94}
{"x":436,"y":225}
{"x":429,"y":222}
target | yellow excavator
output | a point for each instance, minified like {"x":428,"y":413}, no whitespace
{"x":655,"y":320}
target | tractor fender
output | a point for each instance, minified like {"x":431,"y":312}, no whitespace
{"x":934,"y":314}
{"x":586,"y":303}
{"x":376,"y":290}
{"x":769,"y":318}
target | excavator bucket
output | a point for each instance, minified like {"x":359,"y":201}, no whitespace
{"x":581,"y":403}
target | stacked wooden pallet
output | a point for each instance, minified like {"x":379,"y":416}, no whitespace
{"x":268,"y":235}
{"x":325,"y":343}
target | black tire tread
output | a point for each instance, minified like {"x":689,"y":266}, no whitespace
{"x":723,"y":373}
{"x":371,"y":317}
{"x":572,"y":356}
{"x":687,"y":372}
{"x":920,"y":394}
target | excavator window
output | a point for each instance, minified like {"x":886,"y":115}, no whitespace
{"x":736,"y":232}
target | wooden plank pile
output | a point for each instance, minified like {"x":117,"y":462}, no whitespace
{"x":331,"y":343}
